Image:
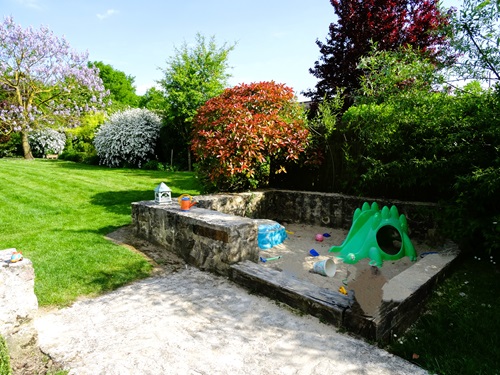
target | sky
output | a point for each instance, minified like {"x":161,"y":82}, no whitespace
{"x":275,"y":39}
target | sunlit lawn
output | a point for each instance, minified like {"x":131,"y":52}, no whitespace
{"x":57,"y":213}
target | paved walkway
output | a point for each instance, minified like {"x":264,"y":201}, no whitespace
{"x":192,"y":322}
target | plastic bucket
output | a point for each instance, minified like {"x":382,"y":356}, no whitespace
{"x":325,"y":267}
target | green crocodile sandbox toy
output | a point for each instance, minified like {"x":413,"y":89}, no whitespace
{"x":372,"y":236}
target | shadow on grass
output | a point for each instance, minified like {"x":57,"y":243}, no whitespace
{"x":105,"y":268}
{"x":119,"y":202}
{"x":106,"y":281}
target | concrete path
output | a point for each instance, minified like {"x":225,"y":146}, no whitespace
{"x":192,"y":322}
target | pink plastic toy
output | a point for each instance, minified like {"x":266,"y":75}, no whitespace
{"x":319,"y":237}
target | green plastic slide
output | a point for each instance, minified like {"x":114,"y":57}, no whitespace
{"x":376,"y":234}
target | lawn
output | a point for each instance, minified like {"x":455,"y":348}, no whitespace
{"x":57,"y":213}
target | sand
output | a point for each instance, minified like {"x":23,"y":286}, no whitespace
{"x":365,"y":280}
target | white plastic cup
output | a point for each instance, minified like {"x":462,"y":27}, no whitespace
{"x":325,"y":267}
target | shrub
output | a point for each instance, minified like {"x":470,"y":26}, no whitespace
{"x":46,"y":141}
{"x":435,"y":146}
{"x":246,"y":133}
{"x":80,"y":140}
{"x":128,"y":138}
{"x":154,"y":165}
{"x":10,"y":145}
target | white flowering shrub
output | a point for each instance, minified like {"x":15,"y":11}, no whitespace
{"x":46,"y":141}
{"x":128,"y":138}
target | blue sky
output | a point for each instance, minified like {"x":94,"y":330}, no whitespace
{"x":275,"y":39}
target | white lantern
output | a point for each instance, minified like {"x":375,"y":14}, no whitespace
{"x":163,"y":194}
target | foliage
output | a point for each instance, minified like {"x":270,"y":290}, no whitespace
{"x":5,"y":368}
{"x":128,"y":138}
{"x":46,"y":141}
{"x":242,"y":135}
{"x":60,"y":218}
{"x":477,"y":38}
{"x":325,"y":131}
{"x":391,"y":73}
{"x":153,"y":100}
{"x":120,"y":86}
{"x":412,"y":142}
{"x":10,"y":145}
{"x":389,"y":23}
{"x":80,"y":140}
{"x":46,"y":82}
{"x":193,"y":76}
{"x":464,"y":310}
{"x":155,"y":165}
{"x":328,"y":112}
{"x":473,"y":215}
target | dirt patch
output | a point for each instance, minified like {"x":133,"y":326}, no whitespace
{"x":163,"y":261}
{"x":31,"y":361}
{"x":365,"y":280}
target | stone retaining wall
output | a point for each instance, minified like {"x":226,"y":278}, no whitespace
{"x":315,"y":208}
{"x":207,"y":239}
{"x":222,"y":229}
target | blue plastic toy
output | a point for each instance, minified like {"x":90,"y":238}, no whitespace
{"x":270,"y":235}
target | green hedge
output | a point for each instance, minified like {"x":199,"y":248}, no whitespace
{"x":431,"y":146}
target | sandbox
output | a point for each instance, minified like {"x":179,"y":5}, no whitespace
{"x":220,"y":235}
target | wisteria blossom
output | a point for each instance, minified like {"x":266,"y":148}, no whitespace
{"x":44,"y":81}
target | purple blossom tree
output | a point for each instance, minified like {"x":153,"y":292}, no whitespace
{"x":44,"y":83}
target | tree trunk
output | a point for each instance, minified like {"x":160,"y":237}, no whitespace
{"x":26,"y":146}
{"x":189,"y":159}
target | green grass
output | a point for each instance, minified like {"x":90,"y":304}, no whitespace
{"x":57,"y":213}
{"x":460,"y":330}
{"x":4,"y":358}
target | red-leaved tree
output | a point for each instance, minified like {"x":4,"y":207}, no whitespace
{"x":246,"y":133}
{"x":388,"y":23}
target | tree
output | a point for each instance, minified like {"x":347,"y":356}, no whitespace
{"x":193,"y":76}
{"x":153,"y":100}
{"x":246,"y":133}
{"x":389,"y":74}
{"x":46,"y":83}
{"x":477,"y":38}
{"x":120,"y":86}
{"x":389,"y":23}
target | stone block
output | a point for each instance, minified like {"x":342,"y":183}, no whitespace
{"x":208,"y":239}
{"x":323,"y":303}
{"x":18,"y":302}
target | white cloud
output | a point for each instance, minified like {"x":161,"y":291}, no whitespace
{"x":143,"y":87}
{"x":108,"y":13}
{"x":33,"y":4}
